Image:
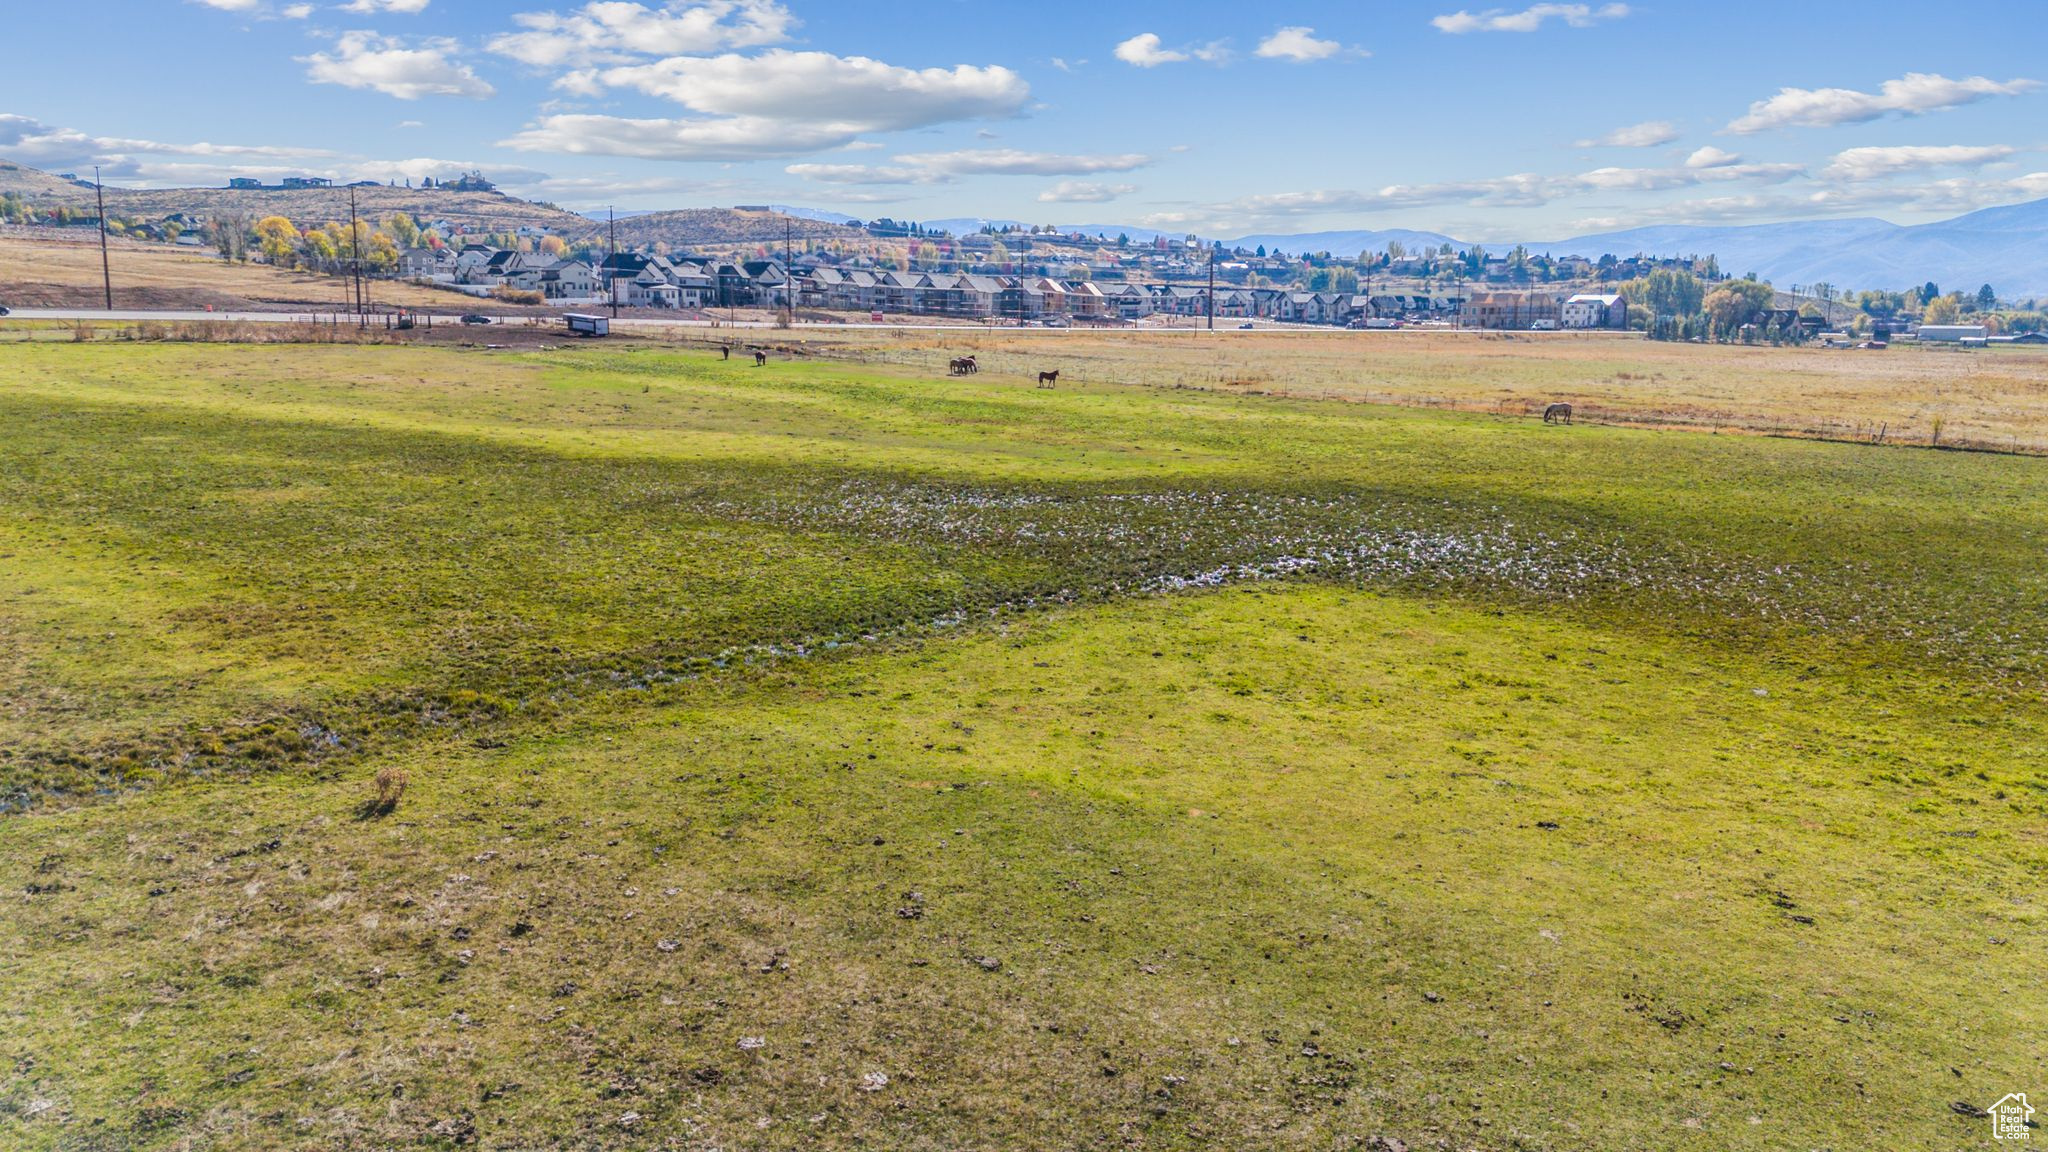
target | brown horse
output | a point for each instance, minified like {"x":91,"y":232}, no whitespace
{"x":964,"y":366}
{"x":1558,"y":414}
{"x":1048,"y":379}
{"x":760,"y":359}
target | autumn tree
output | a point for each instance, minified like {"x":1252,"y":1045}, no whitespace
{"x":1669,"y":292}
{"x":279,"y":239}
{"x":1736,"y":303}
{"x":403,"y":229}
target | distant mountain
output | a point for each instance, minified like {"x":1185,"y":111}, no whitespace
{"x":969,"y":225}
{"x":1344,"y":244}
{"x":2004,"y":247}
{"x":818,"y":214}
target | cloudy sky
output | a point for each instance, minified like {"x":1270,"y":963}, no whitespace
{"x":1525,"y":121}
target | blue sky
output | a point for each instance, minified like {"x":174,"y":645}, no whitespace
{"x":1528,"y":121}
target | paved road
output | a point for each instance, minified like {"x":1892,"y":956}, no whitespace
{"x":630,"y":322}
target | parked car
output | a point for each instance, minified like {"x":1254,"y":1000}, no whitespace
{"x":3,"y":310}
{"x":473,"y":318}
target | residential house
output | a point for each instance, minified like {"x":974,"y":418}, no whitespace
{"x":425,"y":263}
{"x":569,"y":280}
{"x":979,"y":295}
{"x":1510,"y":310}
{"x":1593,"y":310}
{"x":1130,"y":301}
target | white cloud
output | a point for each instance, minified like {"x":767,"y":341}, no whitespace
{"x":259,"y":8}
{"x":1298,"y":44}
{"x":33,"y":142}
{"x":406,"y":7}
{"x":731,"y":139}
{"x":1712,"y":157}
{"x":1011,"y":162}
{"x":948,"y":167}
{"x":1082,"y":192}
{"x":1524,"y":190}
{"x":867,"y":174}
{"x":157,"y":163}
{"x":384,"y":64}
{"x":1143,"y":51}
{"x":779,"y":103}
{"x":1529,"y":19}
{"x":820,"y":88}
{"x":1937,"y":198}
{"x":1914,"y":94}
{"x":1650,"y":134}
{"x":612,"y":31}
{"x":1859,"y":164}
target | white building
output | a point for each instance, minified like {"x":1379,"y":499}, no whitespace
{"x":1590,"y":310}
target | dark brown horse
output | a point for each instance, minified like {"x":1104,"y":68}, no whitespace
{"x":1558,"y":414}
{"x":1048,"y":379}
{"x":760,"y":359}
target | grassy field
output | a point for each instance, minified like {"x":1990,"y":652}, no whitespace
{"x":1995,"y":398}
{"x":831,"y":756}
{"x":44,"y":273}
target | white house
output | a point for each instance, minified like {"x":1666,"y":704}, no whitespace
{"x":650,"y":289}
{"x":569,"y":280}
{"x":1590,"y":310}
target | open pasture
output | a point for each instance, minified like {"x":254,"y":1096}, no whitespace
{"x":833,"y":755}
{"x":39,"y":272}
{"x":1993,"y":398}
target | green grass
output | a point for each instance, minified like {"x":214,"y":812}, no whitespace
{"x":737,"y":660}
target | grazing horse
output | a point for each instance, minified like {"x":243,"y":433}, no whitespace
{"x":1048,"y":379}
{"x":971,"y":364}
{"x":964,"y":366}
{"x":760,"y":359}
{"x":1558,"y":414}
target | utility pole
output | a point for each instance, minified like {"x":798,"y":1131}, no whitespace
{"x":1212,"y":286}
{"x":355,"y":248}
{"x":106,"y":270}
{"x":788,"y":275}
{"x":612,"y":219}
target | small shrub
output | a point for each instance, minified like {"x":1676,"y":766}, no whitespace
{"x":515,"y":296}
{"x":82,"y":334}
{"x":388,"y":787}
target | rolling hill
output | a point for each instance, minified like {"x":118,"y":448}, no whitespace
{"x":486,"y":211}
